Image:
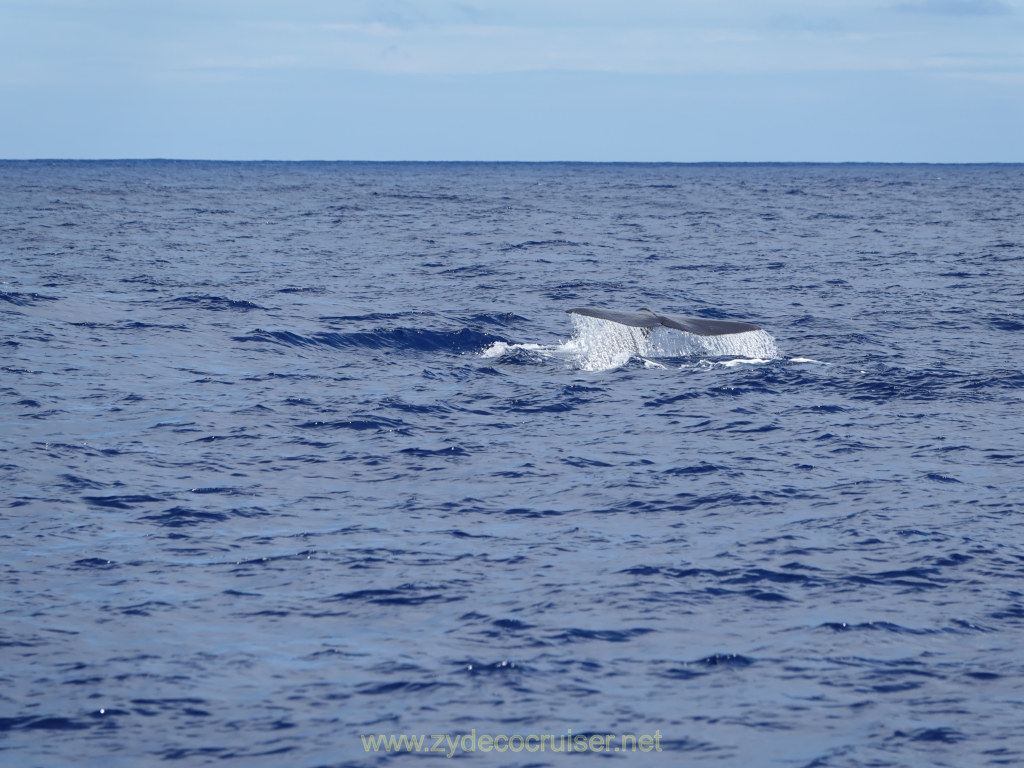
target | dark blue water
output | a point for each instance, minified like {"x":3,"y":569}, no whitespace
{"x":293,"y":454}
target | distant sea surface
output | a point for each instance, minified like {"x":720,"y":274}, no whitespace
{"x":296,"y":455}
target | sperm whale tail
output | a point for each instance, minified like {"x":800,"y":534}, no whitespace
{"x":645,"y":318}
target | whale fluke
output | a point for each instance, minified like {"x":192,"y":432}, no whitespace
{"x":644,"y":318}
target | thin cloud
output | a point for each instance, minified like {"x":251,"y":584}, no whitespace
{"x":959,"y":7}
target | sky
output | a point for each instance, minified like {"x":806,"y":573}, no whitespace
{"x":515,"y":80}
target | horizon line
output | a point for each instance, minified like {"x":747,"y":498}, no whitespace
{"x":495,"y":162}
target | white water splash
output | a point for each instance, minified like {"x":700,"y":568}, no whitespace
{"x":499,"y":348}
{"x":600,"y":345}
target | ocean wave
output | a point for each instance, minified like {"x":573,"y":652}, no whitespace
{"x":216,"y":303}
{"x":24,"y":299}
{"x":414,"y":339}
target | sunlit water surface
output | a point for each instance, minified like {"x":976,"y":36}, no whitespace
{"x":294,"y":454}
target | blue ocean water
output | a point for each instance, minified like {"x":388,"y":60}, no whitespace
{"x":297,"y":454}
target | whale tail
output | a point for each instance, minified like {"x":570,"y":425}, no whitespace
{"x":649,"y":320}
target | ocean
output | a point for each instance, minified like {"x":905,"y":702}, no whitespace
{"x":305,"y":464}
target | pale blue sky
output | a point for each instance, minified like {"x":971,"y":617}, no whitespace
{"x":622,"y":80}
